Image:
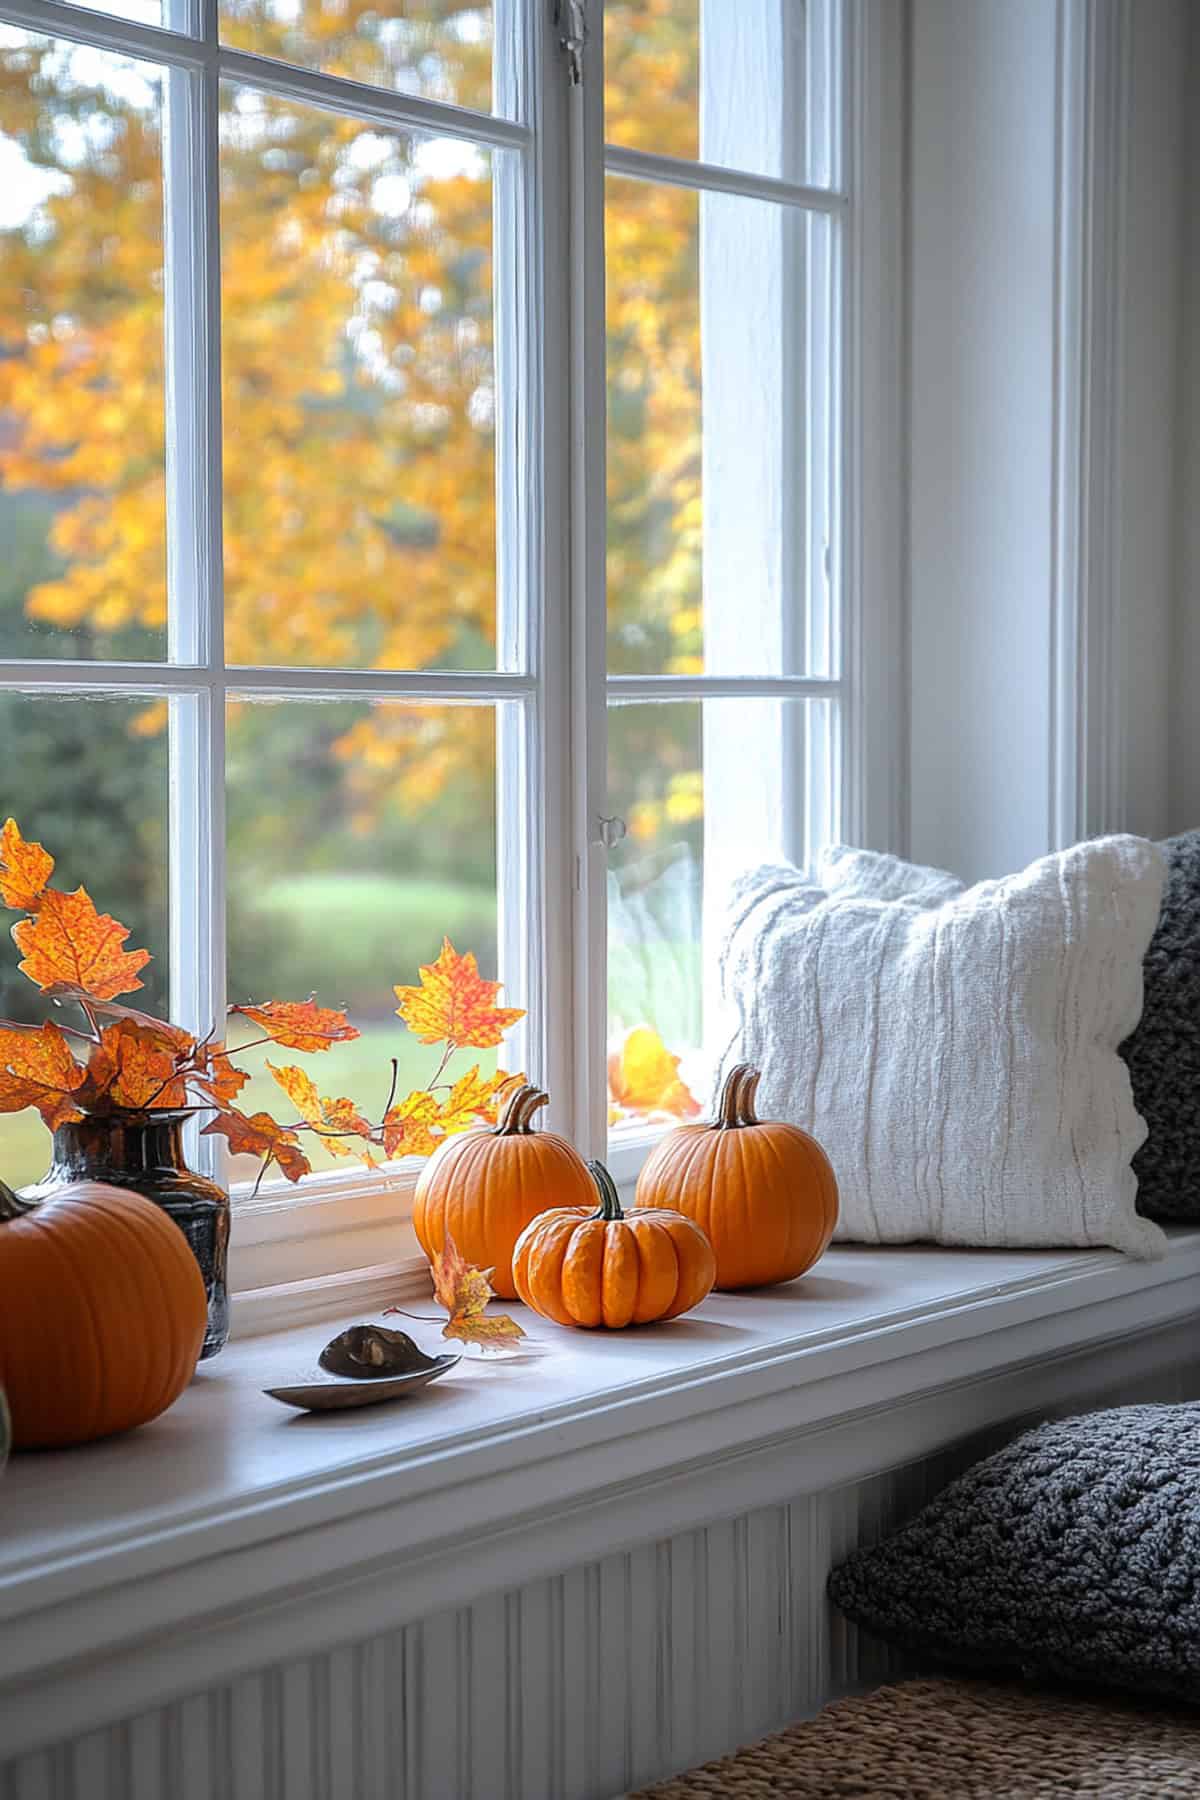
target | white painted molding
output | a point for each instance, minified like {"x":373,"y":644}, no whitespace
{"x":293,"y":1544}
{"x":1087,"y":756}
{"x":874,"y":479}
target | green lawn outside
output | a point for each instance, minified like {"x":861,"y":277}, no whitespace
{"x":351,"y":938}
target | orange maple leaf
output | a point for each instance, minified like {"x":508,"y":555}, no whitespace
{"x":300,"y":1024}
{"x":407,"y":1127}
{"x":643,"y":1077}
{"x":38,"y":1069}
{"x":454,"y":1004}
{"x":317,"y":1110}
{"x":24,"y":869}
{"x":474,"y":1100}
{"x":259,"y":1135}
{"x":136,"y":1066}
{"x":464,"y":1291}
{"x":216,"y":1076}
{"x":179,"y":1039}
{"x":69,"y":941}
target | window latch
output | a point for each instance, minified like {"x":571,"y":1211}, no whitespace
{"x":571,"y":20}
{"x":611,"y":832}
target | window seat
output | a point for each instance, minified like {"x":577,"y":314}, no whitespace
{"x":234,"y":1531}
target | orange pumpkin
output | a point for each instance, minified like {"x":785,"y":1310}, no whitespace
{"x":763,"y":1191}
{"x":483,"y":1187}
{"x":583,"y":1266}
{"x":102,"y":1313}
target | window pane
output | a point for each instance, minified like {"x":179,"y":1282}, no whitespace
{"x":440,"y":49}
{"x":82,"y":462}
{"x":741,"y":83}
{"x":88,"y":779}
{"x":359,"y":400}
{"x":359,"y":836}
{"x":720,"y":430}
{"x":706,"y":790}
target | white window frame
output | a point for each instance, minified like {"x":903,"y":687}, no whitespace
{"x":550,"y":665}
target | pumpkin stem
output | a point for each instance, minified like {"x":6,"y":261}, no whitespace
{"x":610,"y":1200}
{"x":519,"y":1109}
{"x":12,"y":1206}
{"x":729,"y":1111}
{"x":747,"y":1094}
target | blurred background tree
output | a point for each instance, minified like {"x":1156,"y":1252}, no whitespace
{"x":359,"y":476}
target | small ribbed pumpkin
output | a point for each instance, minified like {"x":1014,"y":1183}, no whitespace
{"x":763,"y":1191}
{"x":102,"y":1313}
{"x":483,"y":1187}
{"x":588,"y":1266}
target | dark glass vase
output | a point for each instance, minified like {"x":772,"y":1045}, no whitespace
{"x":144,"y":1151}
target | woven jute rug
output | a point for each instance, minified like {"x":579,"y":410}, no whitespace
{"x":955,"y":1740}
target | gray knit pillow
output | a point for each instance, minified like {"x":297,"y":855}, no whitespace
{"x":1163,"y":1054}
{"x":1073,"y":1552}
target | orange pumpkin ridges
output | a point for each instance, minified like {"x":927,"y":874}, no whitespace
{"x":102,"y":1314}
{"x":763,"y":1191}
{"x":483,"y":1187}
{"x":603,"y":1267}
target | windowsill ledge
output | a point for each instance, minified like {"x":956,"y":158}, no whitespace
{"x":232,"y":1532}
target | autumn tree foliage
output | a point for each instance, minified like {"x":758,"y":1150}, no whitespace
{"x":358,"y":372}
{"x":357,"y":357}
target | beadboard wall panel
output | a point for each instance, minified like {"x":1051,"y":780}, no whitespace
{"x":574,"y":1687}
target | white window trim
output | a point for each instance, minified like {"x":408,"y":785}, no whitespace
{"x":554,"y":800}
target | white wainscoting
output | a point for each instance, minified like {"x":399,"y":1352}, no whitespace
{"x":577,"y":1686}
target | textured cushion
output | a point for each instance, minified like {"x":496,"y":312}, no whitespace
{"x":874,"y":875}
{"x":1164,"y":1052}
{"x":958,"y":1061}
{"x":1074,"y":1552}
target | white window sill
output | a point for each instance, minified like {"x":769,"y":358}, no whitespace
{"x":233,"y":1532}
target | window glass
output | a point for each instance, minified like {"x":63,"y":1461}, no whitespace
{"x":705,"y":789}
{"x":680,"y":74}
{"x":720,"y":434}
{"x":359,"y":393}
{"x":359,"y":836}
{"x":88,"y":779}
{"x":440,"y":49}
{"x":82,"y":459}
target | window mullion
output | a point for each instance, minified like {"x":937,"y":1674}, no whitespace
{"x":583,"y":158}
{"x":196,"y":600}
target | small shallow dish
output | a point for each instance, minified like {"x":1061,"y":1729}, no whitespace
{"x":335,"y":1393}
{"x":362,"y":1366}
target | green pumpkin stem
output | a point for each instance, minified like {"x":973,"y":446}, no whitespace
{"x":610,"y":1200}
{"x":519,"y":1109}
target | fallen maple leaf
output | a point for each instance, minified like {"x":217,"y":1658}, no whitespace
{"x":643,"y":1077}
{"x":454,"y":1004}
{"x":300,"y":1025}
{"x":24,"y":869}
{"x":464,"y":1291}
{"x":68,"y":940}
{"x":38,"y":1069}
{"x":259,"y":1135}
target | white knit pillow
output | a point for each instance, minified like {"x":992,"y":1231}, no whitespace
{"x":874,"y":875}
{"x":958,"y":1061}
